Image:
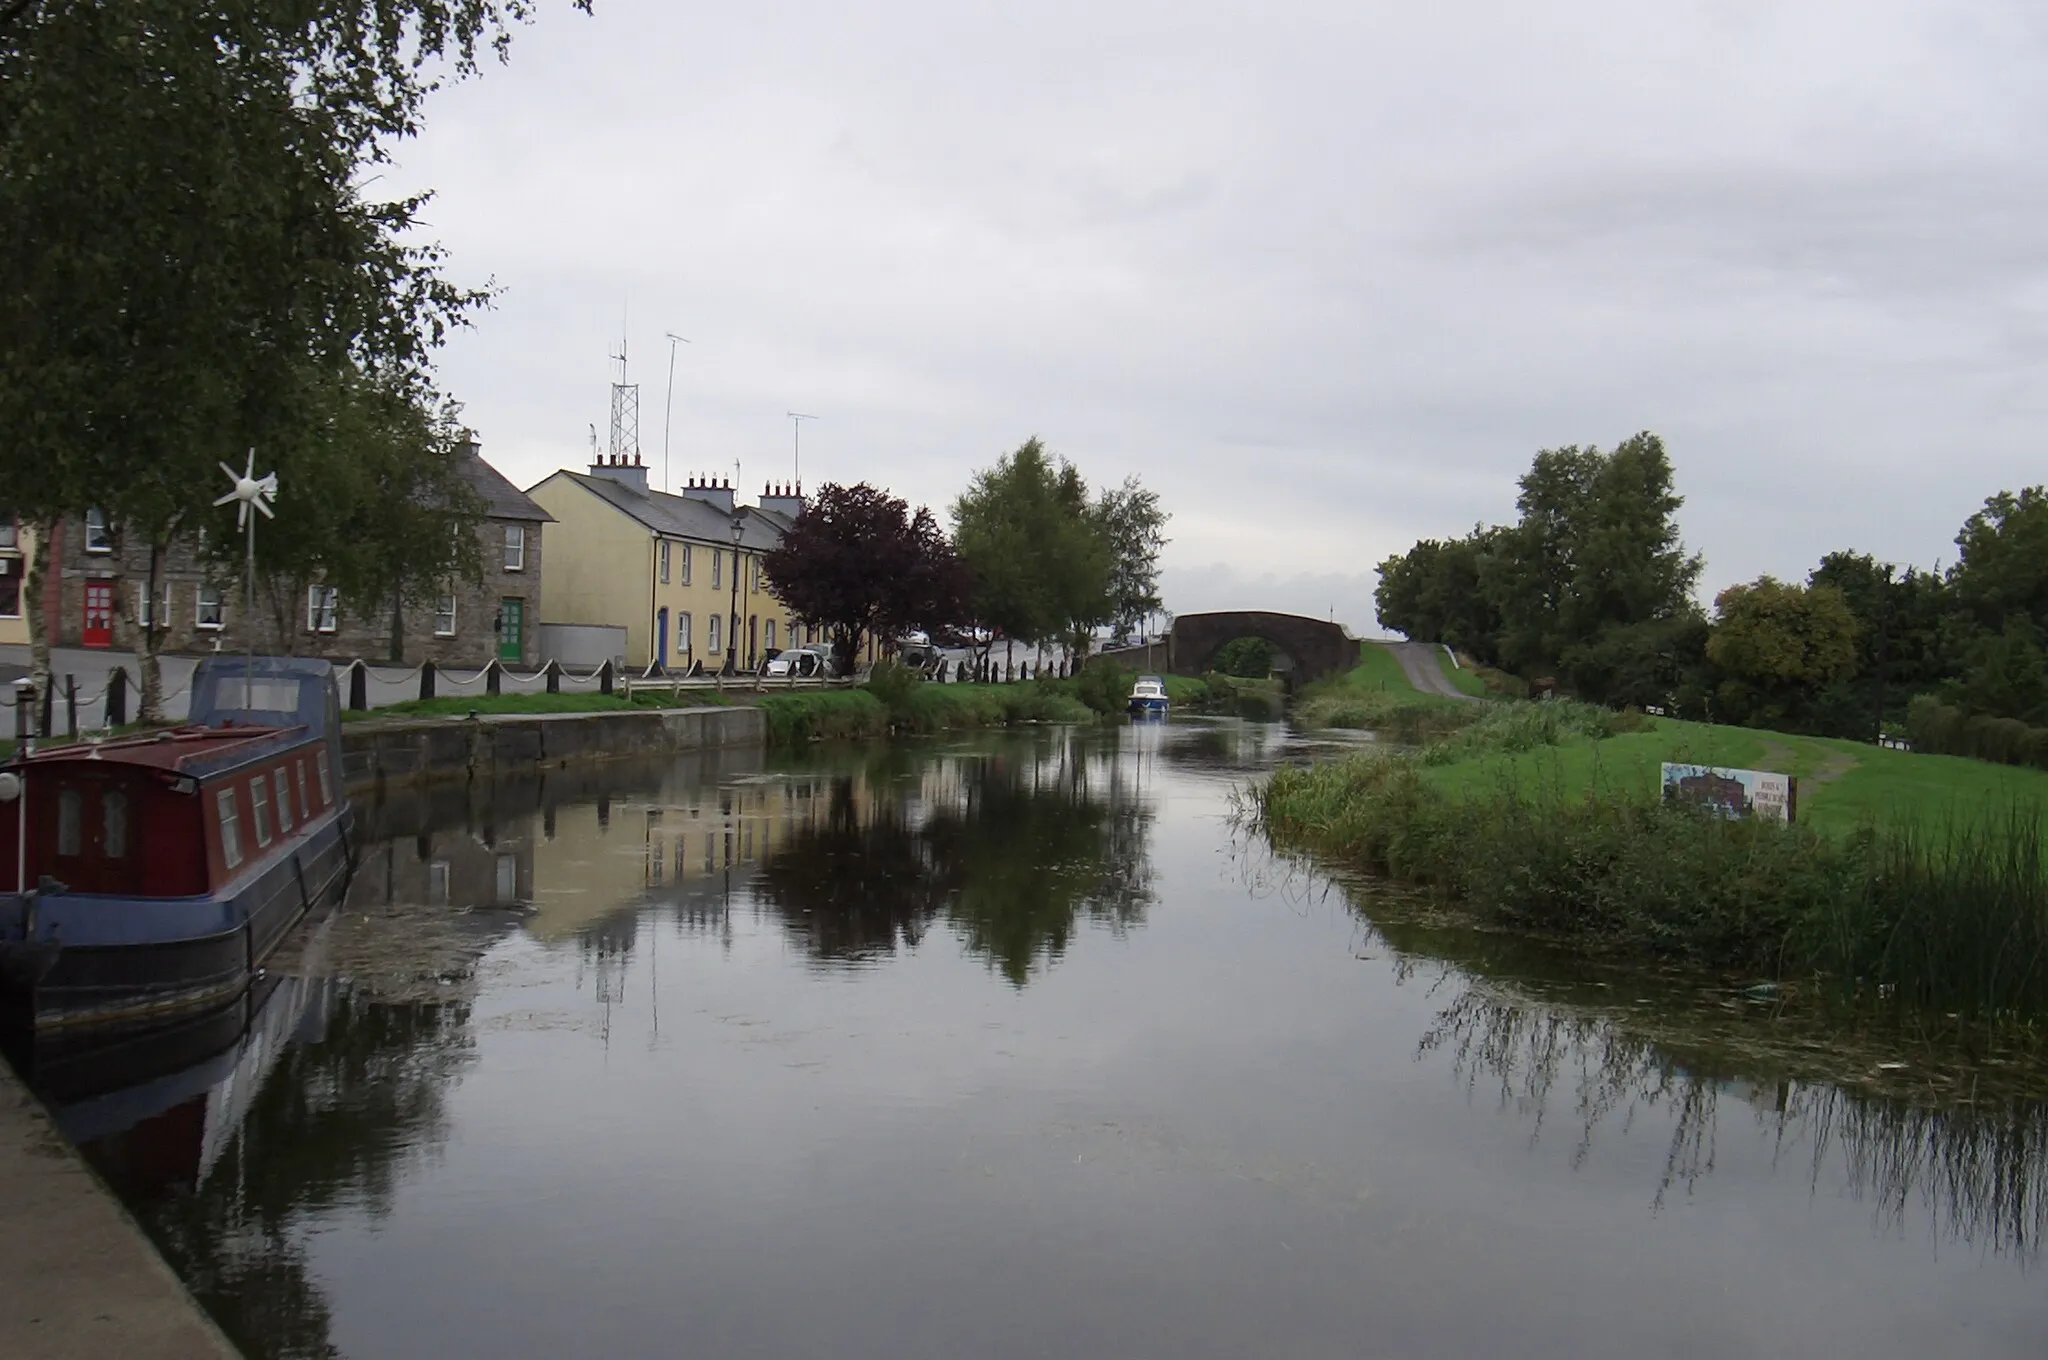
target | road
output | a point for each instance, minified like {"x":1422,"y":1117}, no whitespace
{"x":1423,"y":663}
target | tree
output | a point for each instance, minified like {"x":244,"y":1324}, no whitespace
{"x":185,"y":253}
{"x":2003,"y":571}
{"x":1131,"y":520}
{"x":1039,"y":555}
{"x":858,"y":563}
{"x":1777,"y":644}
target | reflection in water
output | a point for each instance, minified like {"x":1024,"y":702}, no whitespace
{"x":1009,"y":849}
{"x":1978,"y":1169}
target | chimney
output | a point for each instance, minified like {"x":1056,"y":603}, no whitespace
{"x":711,"y":492}
{"x":784,"y":500}
{"x":620,"y":471}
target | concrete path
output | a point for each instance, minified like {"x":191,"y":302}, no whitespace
{"x":78,"y":1280}
{"x":1423,"y":663}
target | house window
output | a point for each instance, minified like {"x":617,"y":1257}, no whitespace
{"x":10,"y":588}
{"x":259,"y":809}
{"x":686,"y":564}
{"x":326,"y":787}
{"x":97,"y":539}
{"x":682,"y":635}
{"x":230,"y":828}
{"x":321,"y":604}
{"x":714,"y":634}
{"x":284,"y":800}
{"x":768,"y":637}
{"x":114,"y":824}
{"x":444,"y":616}
{"x":664,"y":561}
{"x":211,"y":614}
{"x":10,"y":532}
{"x":159,"y":617}
{"x":515,"y":547}
{"x":755,"y":564}
{"x":70,"y":823}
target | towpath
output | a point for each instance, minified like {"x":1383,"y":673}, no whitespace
{"x":1423,"y":664}
{"x":79,"y":1281}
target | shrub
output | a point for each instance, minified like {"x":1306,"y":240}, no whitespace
{"x":1103,"y":686}
{"x":1248,"y":658}
{"x":893,"y":683}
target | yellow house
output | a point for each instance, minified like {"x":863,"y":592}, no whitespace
{"x":663,"y":566}
{"x":17,"y":545}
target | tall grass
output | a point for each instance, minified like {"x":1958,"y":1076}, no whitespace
{"x":1951,"y":915}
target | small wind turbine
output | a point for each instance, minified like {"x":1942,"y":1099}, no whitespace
{"x":250,"y":491}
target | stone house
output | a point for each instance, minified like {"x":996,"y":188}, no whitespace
{"x":100,"y":596}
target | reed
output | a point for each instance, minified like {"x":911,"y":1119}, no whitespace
{"x":1949,"y":914}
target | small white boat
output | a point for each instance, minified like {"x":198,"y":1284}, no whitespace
{"x":1148,"y":697}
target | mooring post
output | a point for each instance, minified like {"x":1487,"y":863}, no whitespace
{"x":70,"y":705}
{"x":493,"y":684}
{"x":24,"y":715}
{"x":554,"y":673}
{"x":604,"y":678}
{"x":358,"y":687}
{"x":117,"y":698}
{"x":427,"y":679}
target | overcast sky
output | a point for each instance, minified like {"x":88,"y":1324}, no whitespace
{"x":1326,"y":275}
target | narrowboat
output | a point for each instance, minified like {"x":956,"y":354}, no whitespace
{"x":1148,"y":697}
{"x":147,"y":878}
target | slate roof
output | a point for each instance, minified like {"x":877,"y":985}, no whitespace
{"x":682,"y":517}
{"x":502,"y":500}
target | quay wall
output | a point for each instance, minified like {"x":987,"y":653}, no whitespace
{"x":398,"y":752}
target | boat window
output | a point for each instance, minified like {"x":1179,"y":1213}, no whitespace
{"x":284,"y":800}
{"x":114,"y":824}
{"x":230,"y":828}
{"x":70,"y":822}
{"x":305,"y":808}
{"x":326,"y":786}
{"x":259,"y":809}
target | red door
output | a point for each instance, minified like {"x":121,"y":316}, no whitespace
{"x":99,"y":614}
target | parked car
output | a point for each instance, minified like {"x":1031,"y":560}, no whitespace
{"x":802,"y":662}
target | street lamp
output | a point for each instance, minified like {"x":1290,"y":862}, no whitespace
{"x":732,"y":636}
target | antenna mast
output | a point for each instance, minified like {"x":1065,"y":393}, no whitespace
{"x":796,"y":420}
{"x":625,"y":449}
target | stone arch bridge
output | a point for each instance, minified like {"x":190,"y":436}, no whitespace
{"x":1316,"y":647}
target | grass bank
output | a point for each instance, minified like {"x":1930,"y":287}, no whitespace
{"x":1376,"y":694}
{"x":1913,"y":880}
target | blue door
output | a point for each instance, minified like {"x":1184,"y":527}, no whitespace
{"x":661,"y":637}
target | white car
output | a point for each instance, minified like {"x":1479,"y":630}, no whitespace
{"x":802,"y":662}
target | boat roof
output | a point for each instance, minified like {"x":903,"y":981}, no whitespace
{"x":193,"y":750}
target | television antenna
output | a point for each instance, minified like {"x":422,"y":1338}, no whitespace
{"x":669,"y":405}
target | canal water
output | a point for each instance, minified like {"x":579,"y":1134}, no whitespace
{"x":1018,"y":1046}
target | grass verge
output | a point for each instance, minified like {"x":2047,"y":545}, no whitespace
{"x":461,"y":706}
{"x":1376,"y":694}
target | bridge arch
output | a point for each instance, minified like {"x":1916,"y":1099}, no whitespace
{"x":1317,"y":647}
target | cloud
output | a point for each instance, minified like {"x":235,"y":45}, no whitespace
{"x":1326,"y":277}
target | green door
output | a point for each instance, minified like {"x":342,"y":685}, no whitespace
{"x":511,"y":630}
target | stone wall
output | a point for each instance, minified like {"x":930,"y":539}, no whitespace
{"x":387,"y":752}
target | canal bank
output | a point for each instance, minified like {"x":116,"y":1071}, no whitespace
{"x":80,"y":1279}
{"x":401,"y":752}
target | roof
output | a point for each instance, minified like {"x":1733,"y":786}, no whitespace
{"x":182,"y":749}
{"x":502,"y":500}
{"x":683,"y":517}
